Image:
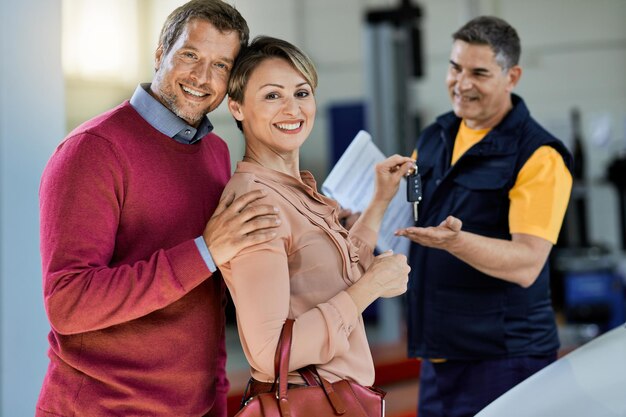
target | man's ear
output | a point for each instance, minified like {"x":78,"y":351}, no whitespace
{"x":235,"y":109}
{"x":158,"y":57}
{"x":514,"y":75}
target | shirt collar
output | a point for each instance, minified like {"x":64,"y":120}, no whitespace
{"x":163,"y":120}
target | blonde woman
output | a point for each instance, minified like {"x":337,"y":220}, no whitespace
{"x":315,"y":271}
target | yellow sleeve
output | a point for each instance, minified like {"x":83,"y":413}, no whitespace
{"x":540,"y":195}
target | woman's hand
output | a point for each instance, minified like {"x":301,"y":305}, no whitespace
{"x":386,"y":277}
{"x":388,"y":175}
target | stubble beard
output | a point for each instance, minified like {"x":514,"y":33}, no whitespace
{"x":171,"y":101}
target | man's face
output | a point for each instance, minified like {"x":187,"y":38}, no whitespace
{"x":480,"y":90}
{"x":191,"y":78}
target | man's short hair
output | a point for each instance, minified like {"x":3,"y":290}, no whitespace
{"x":501,"y":37}
{"x":222,"y":15}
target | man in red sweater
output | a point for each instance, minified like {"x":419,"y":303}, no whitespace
{"x":132,"y":227}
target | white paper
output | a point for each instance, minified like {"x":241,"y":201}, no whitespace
{"x":351,"y":182}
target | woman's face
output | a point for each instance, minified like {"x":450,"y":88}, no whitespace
{"x":278,"y":108}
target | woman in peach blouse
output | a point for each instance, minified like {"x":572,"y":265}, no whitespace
{"x":314,"y":271}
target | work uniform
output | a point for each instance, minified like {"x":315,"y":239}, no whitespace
{"x":515,"y":179}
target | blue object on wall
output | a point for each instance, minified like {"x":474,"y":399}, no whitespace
{"x":346,"y":119}
{"x":595,"y":297}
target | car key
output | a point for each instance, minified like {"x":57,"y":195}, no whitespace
{"x":414,"y":190}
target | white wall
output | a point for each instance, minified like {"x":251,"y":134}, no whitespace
{"x":32,"y":120}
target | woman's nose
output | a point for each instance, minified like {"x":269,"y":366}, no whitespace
{"x":291,"y":106}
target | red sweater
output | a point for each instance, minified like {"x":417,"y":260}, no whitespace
{"x":137,"y":328}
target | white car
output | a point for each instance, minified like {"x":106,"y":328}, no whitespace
{"x":588,"y":382}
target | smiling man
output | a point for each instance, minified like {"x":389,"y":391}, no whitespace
{"x":495,"y":190}
{"x":132,"y":227}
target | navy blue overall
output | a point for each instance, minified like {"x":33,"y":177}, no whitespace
{"x":455,"y":311}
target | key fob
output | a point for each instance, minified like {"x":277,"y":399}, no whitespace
{"x":414,"y":187}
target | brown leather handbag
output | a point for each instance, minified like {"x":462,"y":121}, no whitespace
{"x":318,"y":398}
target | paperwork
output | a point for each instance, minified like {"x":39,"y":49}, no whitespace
{"x":351,"y":183}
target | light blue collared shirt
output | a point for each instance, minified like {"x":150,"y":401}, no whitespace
{"x":166,"y":122}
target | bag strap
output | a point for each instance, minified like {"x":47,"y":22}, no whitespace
{"x":281,"y":371}
{"x":282,"y":350}
{"x":331,"y":394}
{"x":308,"y":375}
